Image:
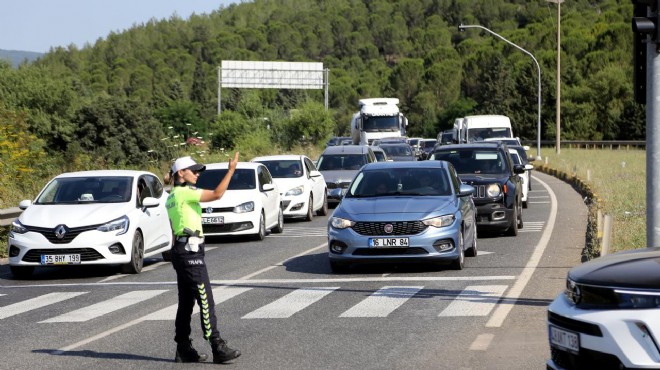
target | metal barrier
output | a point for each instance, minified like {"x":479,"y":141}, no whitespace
{"x":8,"y":215}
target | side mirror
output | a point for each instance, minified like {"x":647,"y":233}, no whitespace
{"x":529,"y":167}
{"x":150,"y":202}
{"x":518,"y":168}
{"x":314,"y":174}
{"x":464,"y":190}
{"x":268,"y":187}
{"x":24,"y":204}
{"x":336,"y":193}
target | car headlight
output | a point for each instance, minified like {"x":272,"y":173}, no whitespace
{"x":341,"y":223}
{"x":244,"y":208}
{"x":441,"y":221}
{"x":295,"y":191}
{"x":493,"y":190}
{"x":120,"y":224}
{"x":628,"y":299}
{"x":17,"y":227}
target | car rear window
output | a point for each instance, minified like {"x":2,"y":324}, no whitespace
{"x":243,"y":179}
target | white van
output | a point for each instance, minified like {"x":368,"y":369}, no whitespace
{"x":480,"y":127}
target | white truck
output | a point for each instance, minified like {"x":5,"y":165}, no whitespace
{"x":476,"y":128}
{"x":378,"y":118}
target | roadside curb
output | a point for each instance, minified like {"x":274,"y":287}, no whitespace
{"x":592,"y":247}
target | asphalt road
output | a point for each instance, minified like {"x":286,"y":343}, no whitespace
{"x":279,"y":303}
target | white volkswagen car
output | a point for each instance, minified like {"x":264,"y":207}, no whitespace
{"x":301,"y":185}
{"x":250,"y":206}
{"x":524,"y":176}
{"x":91,"y":218}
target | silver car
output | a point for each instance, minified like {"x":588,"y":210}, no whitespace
{"x":404,"y":212}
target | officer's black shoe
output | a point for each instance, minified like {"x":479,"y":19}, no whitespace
{"x":186,"y":353}
{"x":222,"y":353}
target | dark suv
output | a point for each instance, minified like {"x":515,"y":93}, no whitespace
{"x":498,"y":188}
{"x":339,"y":164}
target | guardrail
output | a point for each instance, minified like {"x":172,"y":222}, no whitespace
{"x":8,"y":215}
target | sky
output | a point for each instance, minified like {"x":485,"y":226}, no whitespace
{"x":38,"y":25}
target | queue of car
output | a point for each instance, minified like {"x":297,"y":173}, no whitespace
{"x":261,"y":194}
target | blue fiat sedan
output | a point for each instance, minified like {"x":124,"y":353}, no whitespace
{"x":396,"y":212}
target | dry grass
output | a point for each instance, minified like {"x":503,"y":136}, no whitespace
{"x":617,"y":177}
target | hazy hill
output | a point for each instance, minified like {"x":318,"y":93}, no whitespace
{"x":16,"y":57}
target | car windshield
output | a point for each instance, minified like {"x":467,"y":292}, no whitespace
{"x":400,"y":181}
{"x":381,"y":123}
{"x":515,"y":157}
{"x":397,"y":150}
{"x":473,"y":160}
{"x":339,"y":162}
{"x":380,"y":156}
{"x":243,"y":179}
{"x":429,"y":144}
{"x":97,"y":189}
{"x":284,"y":168}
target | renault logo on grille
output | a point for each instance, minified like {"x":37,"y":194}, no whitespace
{"x":209,"y":210}
{"x":388,"y":228}
{"x":60,"y":231}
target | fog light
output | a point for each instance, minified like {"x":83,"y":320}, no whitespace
{"x":14,"y":251}
{"x":338,"y":247}
{"x":499,"y":215}
{"x":443,"y":245}
{"x":116,"y":249}
{"x":297,"y":206}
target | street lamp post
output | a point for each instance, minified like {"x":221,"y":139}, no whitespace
{"x":462,"y":28}
{"x":558,"y":114}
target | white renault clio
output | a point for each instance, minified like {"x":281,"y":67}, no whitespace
{"x":92,"y":218}
{"x":302,"y":186}
{"x":250,"y":206}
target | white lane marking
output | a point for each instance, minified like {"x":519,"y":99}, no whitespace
{"x":532,"y":226}
{"x":483,"y":253}
{"x":290,"y":303}
{"x":367,"y":279}
{"x":474,"y":300}
{"x":284,"y":281}
{"x":382,"y":302}
{"x":505,"y":306}
{"x":220,"y":294}
{"x":538,"y":202}
{"x":34,"y":303}
{"x":248,"y":276}
{"x":482,"y":342}
{"x":113,"y":277}
{"x":105,"y":307}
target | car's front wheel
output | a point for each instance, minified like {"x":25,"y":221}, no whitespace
{"x":310,"y":209}
{"x":324,"y":208}
{"x":22,"y":272}
{"x":261,"y":234}
{"x":137,"y":255}
{"x":459,"y":262}
{"x":280,"y":222}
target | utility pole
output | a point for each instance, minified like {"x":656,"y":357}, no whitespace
{"x":646,"y":28}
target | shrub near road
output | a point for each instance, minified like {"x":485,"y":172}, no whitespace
{"x":618,"y":180}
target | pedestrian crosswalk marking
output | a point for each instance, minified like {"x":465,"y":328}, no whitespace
{"x":37,"y":302}
{"x":382,"y":302}
{"x":220,"y":294}
{"x":105,"y":307}
{"x":532,"y":226}
{"x":290,"y":303}
{"x":474,"y":300}
{"x":300,"y":232}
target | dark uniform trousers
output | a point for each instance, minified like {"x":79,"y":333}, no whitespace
{"x":193,"y":282}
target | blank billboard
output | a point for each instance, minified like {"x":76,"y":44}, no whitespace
{"x":271,"y":75}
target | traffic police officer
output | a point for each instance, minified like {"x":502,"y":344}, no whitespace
{"x":185,"y":214}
